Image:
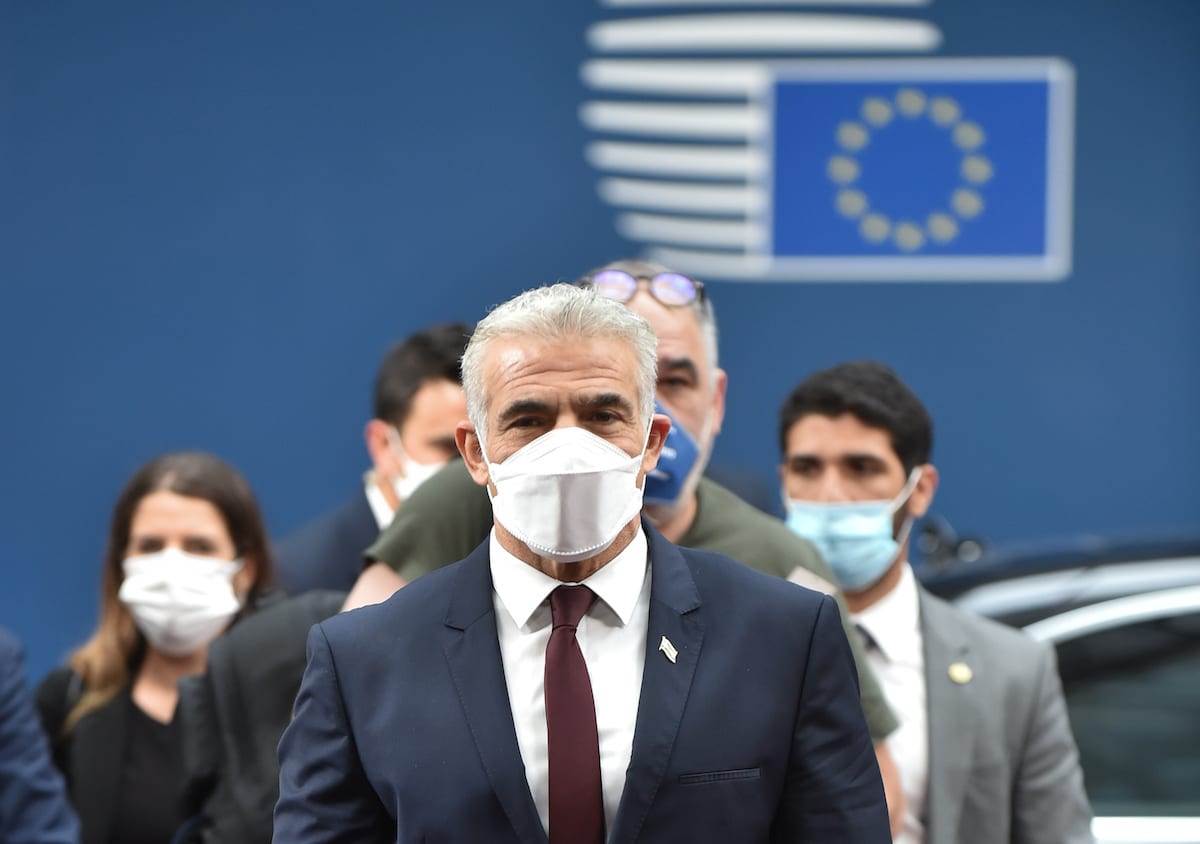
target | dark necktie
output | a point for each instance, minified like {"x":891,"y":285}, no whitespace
{"x":576,"y":796}
{"x":869,"y":642}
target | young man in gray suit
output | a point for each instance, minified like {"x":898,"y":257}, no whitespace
{"x":984,"y":749}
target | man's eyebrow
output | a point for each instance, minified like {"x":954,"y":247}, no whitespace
{"x":862,"y":457}
{"x":674,"y":364}
{"x":598,"y":401}
{"x":522,"y":407}
{"x":803,"y":458}
{"x":853,"y":456}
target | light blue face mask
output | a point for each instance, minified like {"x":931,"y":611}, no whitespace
{"x":855,"y":537}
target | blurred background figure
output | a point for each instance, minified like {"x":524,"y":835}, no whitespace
{"x":187,"y":556}
{"x":418,"y":401}
{"x":984,"y":748}
{"x":33,"y":797}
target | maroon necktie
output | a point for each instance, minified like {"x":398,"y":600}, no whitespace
{"x":576,"y":798}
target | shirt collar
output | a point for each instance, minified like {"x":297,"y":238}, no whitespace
{"x":896,"y":614}
{"x":522,"y":588}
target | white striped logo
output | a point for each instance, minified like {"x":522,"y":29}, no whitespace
{"x":680,"y":112}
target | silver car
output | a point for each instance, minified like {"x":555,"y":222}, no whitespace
{"x":1126,"y":624}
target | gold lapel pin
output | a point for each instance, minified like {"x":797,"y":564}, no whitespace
{"x":668,"y":649}
{"x":960,"y":673}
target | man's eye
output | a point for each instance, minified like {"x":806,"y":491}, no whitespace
{"x":674,"y":382}
{"x":147,"y":545}
{"x":865,"y":469}
{"x":201,"y":547}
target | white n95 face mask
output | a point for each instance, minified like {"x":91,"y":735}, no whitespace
{"x":415,"y":472}
{"x":179,"y":601}
{"x":567,"y":494}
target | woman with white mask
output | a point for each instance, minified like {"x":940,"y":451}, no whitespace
{"x":187,"y":556}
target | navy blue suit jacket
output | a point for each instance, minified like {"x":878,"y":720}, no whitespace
{"x":327,"y":553}
{"x":33,"y":796}
{"x":403,"y":730}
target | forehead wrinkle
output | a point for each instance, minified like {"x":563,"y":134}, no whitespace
{"x":506,"y":358}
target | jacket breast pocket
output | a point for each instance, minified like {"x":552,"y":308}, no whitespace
{"x":709,"y":777}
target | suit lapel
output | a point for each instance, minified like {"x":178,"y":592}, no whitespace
{"x":97,"y":756}
{"x":674,"y":613}
{"x":952,"y":706}
{"x":473,"y":652}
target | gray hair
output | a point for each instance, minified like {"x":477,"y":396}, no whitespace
{"x":702,"y":307}
{"x":559,"y":312}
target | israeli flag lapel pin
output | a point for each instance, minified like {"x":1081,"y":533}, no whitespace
{"x":668,"y":649}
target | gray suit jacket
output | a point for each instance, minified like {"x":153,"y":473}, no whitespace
{"x":1003,"y":766}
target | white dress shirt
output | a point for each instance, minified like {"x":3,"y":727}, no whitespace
{"x":612,"y":636}
{"x":896,"y":653}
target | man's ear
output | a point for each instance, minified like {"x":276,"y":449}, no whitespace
{"x":468,"y":446}
{"x":923,"y":492}
{"x":377,"y":436}
{"x":720,"y":385}
{"x":660,"y":424}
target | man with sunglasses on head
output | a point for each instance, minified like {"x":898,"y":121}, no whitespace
{"x":450,"y":515}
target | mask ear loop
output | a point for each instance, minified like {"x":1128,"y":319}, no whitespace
{"x":901,"y":500}
{"x":394,"y":443}
{"x":649,"y":430}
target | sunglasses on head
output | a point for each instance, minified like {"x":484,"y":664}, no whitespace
{"x":671,"y":289}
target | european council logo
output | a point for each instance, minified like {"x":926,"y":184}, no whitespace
{"x":939,"y":169}
{"x":831,"y":169}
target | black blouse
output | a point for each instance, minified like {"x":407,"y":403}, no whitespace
{"x":148,"y":809}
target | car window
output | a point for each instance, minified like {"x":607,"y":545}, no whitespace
{"x":1133,"y":693}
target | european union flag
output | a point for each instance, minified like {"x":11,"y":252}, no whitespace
{"x":959,"y":163}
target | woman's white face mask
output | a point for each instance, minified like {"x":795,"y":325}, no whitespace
{"x":567,"y":494}
{"x":180,"y":601}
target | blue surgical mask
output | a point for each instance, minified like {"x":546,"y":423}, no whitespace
{"x":855,"y":537}
{"x":666,"y":482}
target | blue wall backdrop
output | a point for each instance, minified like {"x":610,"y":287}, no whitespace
{"x":215,"y":217}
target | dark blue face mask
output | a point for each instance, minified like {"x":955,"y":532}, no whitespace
{"x":665,"y":482}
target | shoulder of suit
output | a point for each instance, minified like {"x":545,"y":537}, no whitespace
{"x":721,"y":577}
{"x":10,"y":647}
{"x":324,"y":528}
{"x":424,"y":601}
{"x":57,"y":682}
{"x":769,"y":532}
{"x":987,"y":634}
{"x":274,"y":624}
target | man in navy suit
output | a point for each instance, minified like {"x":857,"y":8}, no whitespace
{"x":33,"y":797}
{"x":418,"y":400}
{"x":578,"y":678}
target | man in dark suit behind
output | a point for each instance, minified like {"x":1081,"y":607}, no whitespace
{"x":33,"y":797}
{"x":578,"y":678}
{"x":418,"y":400}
